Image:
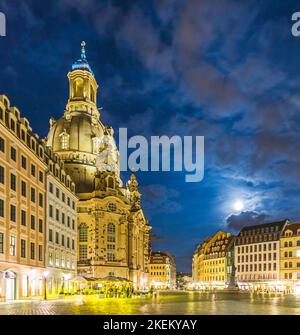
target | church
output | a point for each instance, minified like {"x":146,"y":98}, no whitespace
{"x":113,"y":233}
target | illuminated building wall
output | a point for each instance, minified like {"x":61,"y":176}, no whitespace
{"x":61,"y":227}
{"x":290,"y":255}
{"x":213,"y":260}
{"x":162,"y":271}
{"x":22,"y":206}
{"x":257,"y":252}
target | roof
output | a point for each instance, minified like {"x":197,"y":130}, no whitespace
{"x":279,"y":224}
{"x":82,"y":63}
{"x":293,"y":227}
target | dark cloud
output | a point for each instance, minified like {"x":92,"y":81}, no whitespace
{"x":248,"y":218}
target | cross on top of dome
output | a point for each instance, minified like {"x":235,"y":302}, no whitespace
{"x":82,"y":63}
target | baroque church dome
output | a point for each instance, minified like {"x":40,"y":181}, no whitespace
{"x":79,"y":136}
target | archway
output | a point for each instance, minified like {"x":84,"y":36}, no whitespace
{"x":10,"y":278}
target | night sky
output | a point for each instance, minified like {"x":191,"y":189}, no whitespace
{"x":228,"y":70}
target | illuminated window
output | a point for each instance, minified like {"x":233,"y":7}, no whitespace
{"x":12,"y":246}
{"x":112,"y":207}
{"x":83,"y":233}
{"x":111,"y":233}
{"x":78,"y":88}
{"x":110,"y":252}
{"x":82,"y":253}
{"x":64,"y":140}
{"x":297,"y":253}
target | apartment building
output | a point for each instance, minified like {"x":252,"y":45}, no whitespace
{"x":257,"y":254}
{"x":22,"y":206}
{"x":290,"y":257}
{"x":162,"y":271}
{"x":213,"y":261}
{"x":61,"y":227}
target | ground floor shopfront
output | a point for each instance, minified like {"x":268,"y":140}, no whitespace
{"x":59,"y":281}
{"x":288,"y":287}
{"x":20,"y":281}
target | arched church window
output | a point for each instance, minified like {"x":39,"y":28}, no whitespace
{"x":111,"y":232}
{"x":78,"y":88}
{"x":64,"y":140}
{"x":83,"y":233}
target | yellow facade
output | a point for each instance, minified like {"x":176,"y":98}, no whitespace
{"x":290,"y":256}
{"x":162,"y":271}
{"x":212,"y":261}
{"x":113,"y":233}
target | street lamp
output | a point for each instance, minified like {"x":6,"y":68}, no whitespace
{"x":45,"y":275}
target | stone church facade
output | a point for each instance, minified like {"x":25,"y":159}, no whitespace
{"x":113,"y":233}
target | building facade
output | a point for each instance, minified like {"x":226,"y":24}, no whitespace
{"x":213,"y":265}
{"x":162,"y":271}
{"x":257,"y":255}
{"x":22,"y":206}
{"x":290,"y":257}
{"x":113,"y":233}
{"x":61,"y":227}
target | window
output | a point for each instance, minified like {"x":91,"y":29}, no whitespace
{"x":41,"y":177}
{"x":13,"y":182}
{"x":51,"y":211}
{"x":83,"y":233}
{"x":13,"y":154}
{"x":33,"y":170}
{"x":51,"y":187}
{"x":2,"y":175}
{"x":63,"y":197}
{"x":68,"y":242}
{"x":24,"y":162}
{"x":57,"y":215}
{"x":57,"y":193}
{"x":73,"y":224}
{"x":12,"y":213}
{"x":50,"y":258}
{"x":2,"y":208}
{"x":57,"y":238}
{"x":32,"y":250}
{"x":12,"y":246}
{"x":110,"y":252}
{"x":63,"y":240}
{"x":40,"y":253}
{"x":68,"y":222}
{"x":23,"y":188}
{"x":40,"y":225}
{"x":32,"y":222}
{"x":2,"y":144}
{"x":23,"y":217}
{"x":82,"y":253}
{"x":64,"y":140}
{"x":32,"y":195}
{"x":112,"y":207}
{"x":111,"y":233}
{"x":1,"y":243}
{"x":23,"y":248}
{"x":63,"y":218}
{"x":50,"y":235}
{"x":73,"y":244}
{"x":297,"y":253}
{"x":41,"y":200}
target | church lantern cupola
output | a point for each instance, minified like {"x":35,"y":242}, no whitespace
{"x":82,"y":88}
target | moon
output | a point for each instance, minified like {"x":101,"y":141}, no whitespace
{"x":238,"y":205}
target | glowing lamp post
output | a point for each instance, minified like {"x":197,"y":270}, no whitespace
{"x":45,"y":275}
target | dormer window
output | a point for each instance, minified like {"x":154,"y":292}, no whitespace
{"x":64,"y":140}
